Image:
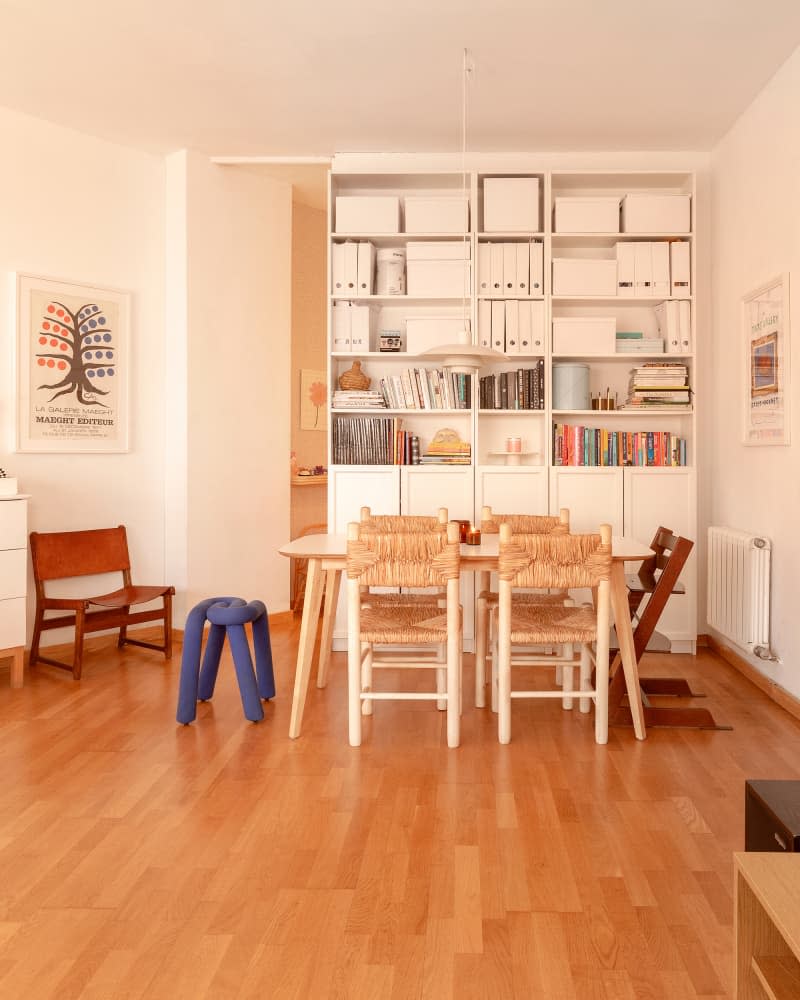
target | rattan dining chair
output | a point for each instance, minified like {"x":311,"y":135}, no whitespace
{"x":416,"y":559}
{"x":553,"y":561}
{"x":486,"y":605}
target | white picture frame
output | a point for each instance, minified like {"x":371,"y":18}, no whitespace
{"x":766,"y":377}
{"x":72,"y":366}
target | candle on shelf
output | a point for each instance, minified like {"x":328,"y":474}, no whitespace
{"x":463,"y":527}
{"x":514,"y":444}
{"x":473,"y":535}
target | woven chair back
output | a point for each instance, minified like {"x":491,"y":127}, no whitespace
{"x":529,"y":524}
{"x":403,"y":522}
{"x":557,"y":560}
{"x":401,"y":559}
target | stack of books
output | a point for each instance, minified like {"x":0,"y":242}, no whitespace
{"x":635,"y":342}
{"x":447,"y":448}
{"x":358,"y":399}
{"x":659,"y":385}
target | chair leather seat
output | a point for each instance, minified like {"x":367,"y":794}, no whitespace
{"x":126,"y":596}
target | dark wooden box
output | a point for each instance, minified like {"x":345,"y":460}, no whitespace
{"x":772,"y":816}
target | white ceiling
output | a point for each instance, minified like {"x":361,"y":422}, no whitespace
{"x":314,"y":77}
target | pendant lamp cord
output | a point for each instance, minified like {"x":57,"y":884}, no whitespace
{"x":465,"y":75}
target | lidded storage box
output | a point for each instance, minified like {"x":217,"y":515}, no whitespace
{"x":439,"y":214}
{"x":357,"y":214}
{"x":584,"y":335}
{"x":656,"y":213}
{"x":511,"y":205}
{"x":438,"y":270}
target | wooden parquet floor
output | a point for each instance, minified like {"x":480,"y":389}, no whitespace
{"x":143,"y":859}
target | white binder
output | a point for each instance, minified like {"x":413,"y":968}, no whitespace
{"x":668,"y":321}
{"x":338,"y":286}
{"x":350,"y":268}
{"x":537,"y":268}
{"x":498,"y":325}
{"x":660,"y":259}
{"x":485,"y":323}
{"x":643,"y":270}
{"x":512,"y":325}
{"x":685,"y":325}
{"x":359,"y":328}
{"x":680,"y":260}
{"x":626,"y":268}
{"x":522,"y":286}
{"x":524,"y":337}
{"x":496,"y":268}
{"x":484,"y":269}
{"x":509,"y":268}
{"x":341,"y":326}
{"x":537,"y":327}
{"x":365,"y":268}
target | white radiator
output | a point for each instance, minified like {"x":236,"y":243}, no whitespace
{"x":738,"y":588}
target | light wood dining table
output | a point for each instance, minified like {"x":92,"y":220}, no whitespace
{"x":327,"y":556}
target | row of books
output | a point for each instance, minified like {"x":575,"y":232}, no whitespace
{"x":595,"y":446}
{"x":659,"y":384}
{"x":522,"y":389}
{"x":372,"y":441}
{"x":427,"y":389}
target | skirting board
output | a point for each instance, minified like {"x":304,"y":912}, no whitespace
{"x":774,"y":691}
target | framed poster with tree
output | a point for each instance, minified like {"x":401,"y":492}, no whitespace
{"x":72,"y":366}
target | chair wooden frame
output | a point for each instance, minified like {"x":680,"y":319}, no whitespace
{"x":561,"y":561}
{"x":412,"y":559}
{"x":61,"y":555}
{"x":658,"y":577}
{"x":486,"y":604}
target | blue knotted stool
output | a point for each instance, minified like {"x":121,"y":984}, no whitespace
{"x":228,"y":615}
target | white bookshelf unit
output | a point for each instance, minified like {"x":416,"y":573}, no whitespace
{"x":536,"y":264}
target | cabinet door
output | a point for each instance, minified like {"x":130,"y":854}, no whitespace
{"x":14,"y":524}
{"x":424,"y":490}
{"x":351,"y":487}
{"x":592,"y":495}
{"x":510,"y":490}
{"x":665,"y":498}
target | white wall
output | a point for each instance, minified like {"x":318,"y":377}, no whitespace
{"x":229,"y":239}
{"x":80,"y":209}
{"x":755,"y":237}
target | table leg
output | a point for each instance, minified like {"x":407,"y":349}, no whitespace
{"x":482,"y":581}
{"x":17,"y":667}
{"x":333,"y":578}
{"x":622,"y":622}
{"x":305,"y":650}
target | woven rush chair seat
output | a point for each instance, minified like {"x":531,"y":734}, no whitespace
{"x":558,"y":561}
{"x":415,"y":559}
{"x":486,"y":605}
{"x":539,"y":623}
{"x":407,"y":624}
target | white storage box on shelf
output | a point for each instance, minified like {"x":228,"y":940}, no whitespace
{"x":586,"y":215}
{"x":356,"y":214}
{"x":438,"y":270}
{"x":423,"y":332}
{"x":438,"y":214}
{"x":656,"y":213}
{"x":511,"y":205}
{"x":584,"y":276}
{"x":578,"y":336}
